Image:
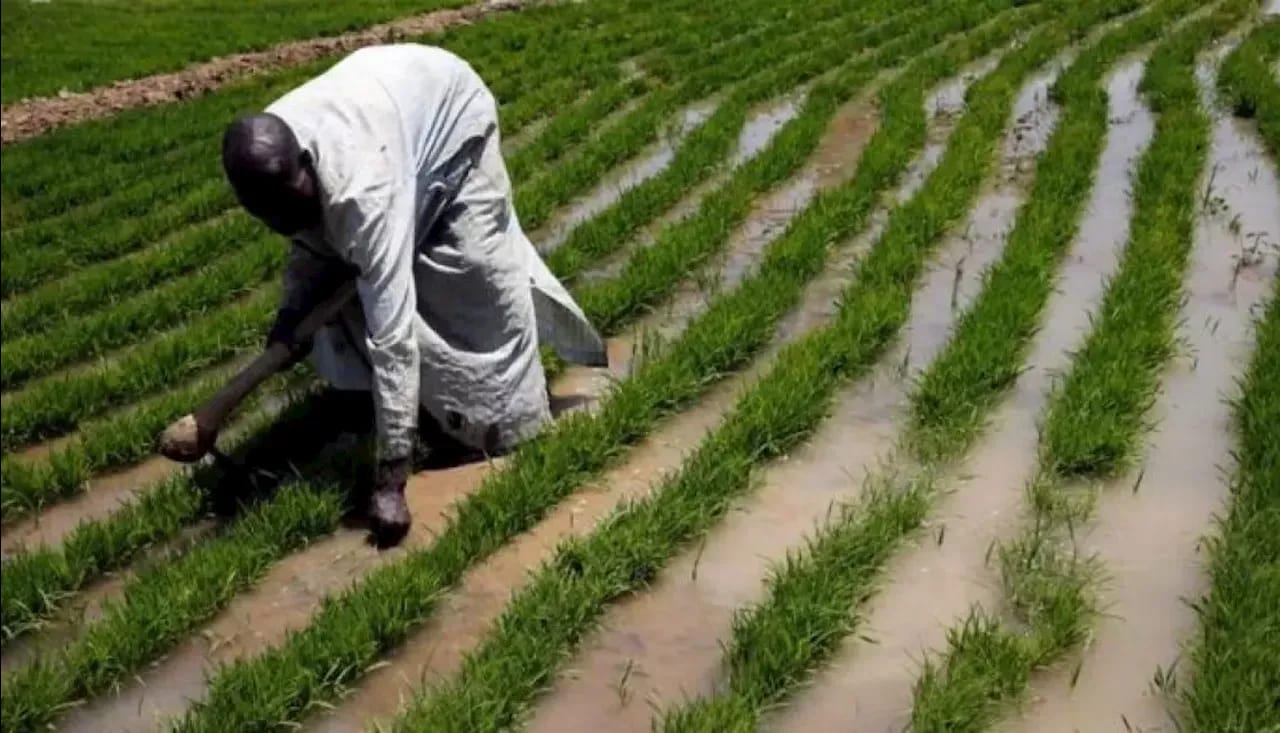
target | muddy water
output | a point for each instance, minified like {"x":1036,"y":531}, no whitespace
{"x":667,"y":640}
{"x":760,"y":128}
{"x":1149,"y":540}
{"x":102,"y":496}
{"x":868,"y":685}
{"x":616,"y":182}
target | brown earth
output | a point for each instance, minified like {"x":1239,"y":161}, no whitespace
{"x":31,"y":117}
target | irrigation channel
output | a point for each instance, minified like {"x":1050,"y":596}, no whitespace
{"x":943,"y":386}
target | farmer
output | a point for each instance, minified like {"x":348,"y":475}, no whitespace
{"x":387,"y":168}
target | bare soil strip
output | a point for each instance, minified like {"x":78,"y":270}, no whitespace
{"x":437,"y":651}
{"x":652,"y":649}
{"x":1151,"y":522}
{"x":32,"y":117}
{"x":868,"y":685}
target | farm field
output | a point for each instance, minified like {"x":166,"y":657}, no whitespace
{"x":943,"y":392}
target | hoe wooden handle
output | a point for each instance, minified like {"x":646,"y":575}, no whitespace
{"x":190,"y":437}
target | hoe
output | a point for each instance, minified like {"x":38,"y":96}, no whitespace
{"x":191,"y":437}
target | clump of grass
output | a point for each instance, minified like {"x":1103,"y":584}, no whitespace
{"x":1248,"y":85}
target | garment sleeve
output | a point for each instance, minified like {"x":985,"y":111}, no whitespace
{"x":377,"y":230}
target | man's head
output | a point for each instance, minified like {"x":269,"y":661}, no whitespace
{"x":271,"y":173}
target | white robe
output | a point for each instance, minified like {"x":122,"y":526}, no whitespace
{"x":453,"y":299}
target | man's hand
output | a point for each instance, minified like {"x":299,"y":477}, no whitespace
{"x":388,"y":512}
{"x":283,"y":332}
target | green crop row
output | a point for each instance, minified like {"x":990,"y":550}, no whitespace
{"x":168,"y":36}
{"x":544,"y":621}
{"x":1234,"y":677}
{"x":39,"y":579}
{"x":529,"y":86}
{"x":161,"y":604}
{"x":53,"y":405}
{"x":32,"y":485}
{"x":528,"y":82}
{"x":53,"y":304}
{"x":807,"y":610}
{"x":495,"y":46}
{"x":110,"y":442}
{"x":1248,"y":84}
{"x":1047,"y":581}
{"x":683,"y":246}
{"x":641,"y":127}
{"x":354,"y":628}
{"x":134,"y":319}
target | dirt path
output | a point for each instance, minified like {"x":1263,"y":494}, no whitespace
{"x":1149,"y":539}
{"x":868,"y":685}
{"x":31,"y":117}
{"x":666,"y":641}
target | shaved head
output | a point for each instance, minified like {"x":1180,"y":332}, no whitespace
{"x":271,"y":172}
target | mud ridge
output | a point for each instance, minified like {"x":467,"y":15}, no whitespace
{"x":31,"y":117}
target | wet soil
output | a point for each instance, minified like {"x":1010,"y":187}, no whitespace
{"x":926,"y":589}
{"x":629,"y":175}
{"x":1149,"y":539}
{"x":31,"y":117}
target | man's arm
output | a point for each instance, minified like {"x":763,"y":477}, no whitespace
{"x":308,"y":279}
{"x":378,"y":230}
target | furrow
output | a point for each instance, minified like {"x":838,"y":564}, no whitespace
{"x":608,"y":191}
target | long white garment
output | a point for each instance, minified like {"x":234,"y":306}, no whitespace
{"x":453,"y":298}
